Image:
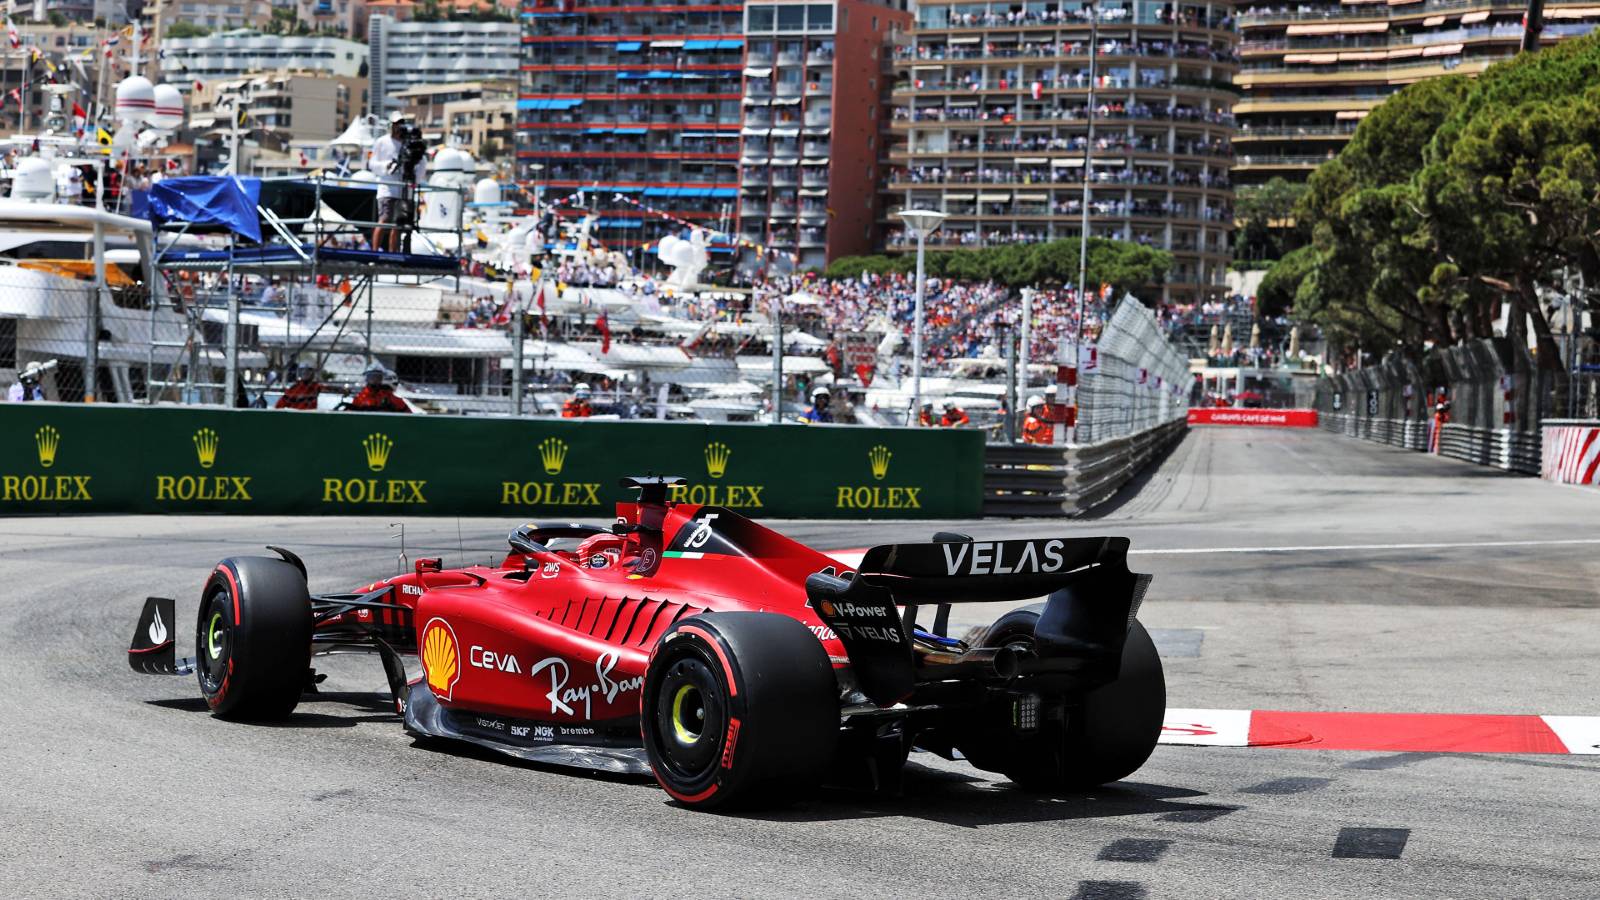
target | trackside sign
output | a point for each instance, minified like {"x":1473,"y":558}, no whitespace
{"x":1272,"y":418}
{"x":72,"y":458}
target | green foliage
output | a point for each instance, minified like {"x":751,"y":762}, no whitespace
{"x":183,"y":29}
{"x":1124,"y":265}
{"x":1267,"y":225}
{"x":1278,"y":286}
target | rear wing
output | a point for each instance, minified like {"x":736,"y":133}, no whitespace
{"x":1091,"y":599}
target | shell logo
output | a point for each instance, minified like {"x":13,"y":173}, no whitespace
{"x":441,"y":657}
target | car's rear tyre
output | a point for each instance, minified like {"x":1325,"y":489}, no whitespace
{"x":1107,"y":735}
{"x":253,"y":638}
{"x":739,"y":709}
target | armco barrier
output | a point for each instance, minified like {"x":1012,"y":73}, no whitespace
{"x":71,"y":458}
{"x":1571,"y":451}
{"x":1502,"y":448}
{"x":1022,"y":480}
{"x":1272,"y":418}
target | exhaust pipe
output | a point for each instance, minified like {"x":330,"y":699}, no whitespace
{"x":1000,"y":663}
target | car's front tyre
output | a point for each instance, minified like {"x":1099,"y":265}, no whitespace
{"x":253,"y":638}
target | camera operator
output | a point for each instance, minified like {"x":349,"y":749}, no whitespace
{"x":399,"y":162}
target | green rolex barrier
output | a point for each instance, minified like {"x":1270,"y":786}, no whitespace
{"x":57,"y":458}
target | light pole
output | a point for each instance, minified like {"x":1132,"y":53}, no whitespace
{"x":922,"y":223}
{"x":1088,"y":176}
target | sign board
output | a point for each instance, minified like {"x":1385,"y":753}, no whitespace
{"x":859,"y":349}
{"x":1372,"y":403}
{"x":55,"y":458}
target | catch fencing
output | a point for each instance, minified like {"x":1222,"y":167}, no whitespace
{"x":1495,"y":394}
{"x":1139,"y":380}
{"x":1133,"y":401}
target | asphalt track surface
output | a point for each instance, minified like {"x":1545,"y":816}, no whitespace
{"x":1426,"y":585}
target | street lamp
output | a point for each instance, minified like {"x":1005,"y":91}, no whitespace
{"x":922,"y":223}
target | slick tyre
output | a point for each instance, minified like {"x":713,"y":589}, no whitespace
{"x":1108,"y":734}
{"x":739,"y":709}
{"x":253,"y":638}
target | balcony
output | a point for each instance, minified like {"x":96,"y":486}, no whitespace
{"x":753,"y":177}
{"x":1285,"y":161}
{"x":813,"y":237}
{"x":753,"y":208}
{"x":819,"y":57}
{"x":815,"y":176}
{"x":823,"y":88}
{"x":784,"y":177}
{"x":789,"y":58}
{"x":819,"y":118}
{"x":789,"y":88}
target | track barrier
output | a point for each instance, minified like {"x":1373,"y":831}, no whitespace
{"x":57,"y":458}
{"x":1496,"y":401}
{"x":1270,"y":418}
{"x":1571,"y":451}
{"x":1023,"y":480}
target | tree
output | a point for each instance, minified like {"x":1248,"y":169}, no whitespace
{"x":1277,"y":291}
{"x":1371,"y":279}
{"x":1268,"y":228}
{"x":182,"y":29}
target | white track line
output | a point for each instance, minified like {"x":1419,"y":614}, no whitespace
{"x":853,"y":557}
{"x":1328,"y":548}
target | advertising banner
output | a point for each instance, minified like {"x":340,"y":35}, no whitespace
{"x":1272,"y":418}
{"x":72,"y":458}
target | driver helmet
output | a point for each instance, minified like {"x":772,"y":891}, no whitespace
{"x":581,"y":392}
{"x":1035,"y":400}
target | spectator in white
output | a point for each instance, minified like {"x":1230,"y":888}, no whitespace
{"x":272,"y":294}
{"x":396,"y":208}
{"x":27,"y":389}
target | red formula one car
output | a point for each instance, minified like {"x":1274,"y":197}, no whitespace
{"x":733,"y":664}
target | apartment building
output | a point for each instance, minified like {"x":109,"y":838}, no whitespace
{"x":814,"y":77}
{"x":478,"y":115}
{"x":1310,"y":72}
{"x":405,"y":55}
{"x":233,"y":54}
{"x":991,"y":118}
{"x":640,"y":100}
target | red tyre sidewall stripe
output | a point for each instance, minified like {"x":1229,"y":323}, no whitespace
{"x":233,"y":586}
{"x":722,"y":655}
{"x":688,"y":798}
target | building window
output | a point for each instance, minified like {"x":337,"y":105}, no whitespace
{"x":760,"y":18}
{"x":819,"y":17}
{"x":791,"y":18}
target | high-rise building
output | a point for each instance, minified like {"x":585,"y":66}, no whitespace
{"x":639,"y":100}
{"x":405,"y":55}
{"x":813,"y":121}
{"x":990,"y":126}
{"x":236,"y":53}
{"x":1311,"y":72}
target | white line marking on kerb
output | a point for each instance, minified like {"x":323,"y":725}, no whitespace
{"x":1328,"y":548}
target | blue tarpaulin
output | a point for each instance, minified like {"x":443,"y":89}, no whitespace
{"x":207,"y":200}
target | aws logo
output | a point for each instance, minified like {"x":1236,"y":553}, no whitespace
{"x":204,"y":488}
{"x":876,"y":496}
{"x":56,"y":488}
{"x":376,"y":450}
{"x":552,"y":452}
{"x":441,"y":658}
{"x":733,"y":496}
